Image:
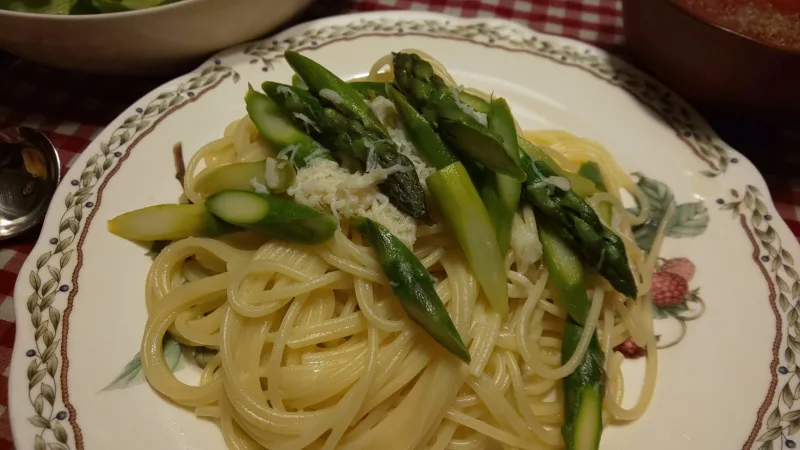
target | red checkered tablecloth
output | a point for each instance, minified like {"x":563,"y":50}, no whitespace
{"x":73,"y":108}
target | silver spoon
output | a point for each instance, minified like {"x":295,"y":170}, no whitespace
{"x":29,"y":174}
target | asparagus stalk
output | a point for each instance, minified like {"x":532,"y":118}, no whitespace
{"x":337,"y":92}
{"x":591,"y":171}
{"x":277,"y":129}
{"x":350,"y":137}
{"x":453,"y":119}
{"x":579,"y":226}
{"x":565,"y":270}
{"x":580,"y":185}
{"x":168,"y":223}
{"x":584,"y":388}
{"x":413,"y":286}
{"x":298,"y":82}
{"x":274,"y":216}
{"x":420,"y":132}
{"x":369,"y":89}
{"x":276,"y":174}
{"x":236,"y":176}
{"x":452,"y":188}
{"x":477,"y":103}
{"x":466,"y":215}
{"x":500,"y":193}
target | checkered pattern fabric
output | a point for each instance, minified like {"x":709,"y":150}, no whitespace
{"x":73,"y":108}
{"x":595,"y":21}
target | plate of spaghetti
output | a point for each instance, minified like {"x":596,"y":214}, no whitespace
{"x":409,"y":231}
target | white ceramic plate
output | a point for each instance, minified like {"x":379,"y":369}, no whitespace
{"x":730,"y":383}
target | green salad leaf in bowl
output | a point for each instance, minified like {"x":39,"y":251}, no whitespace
{"x":79,"y":6}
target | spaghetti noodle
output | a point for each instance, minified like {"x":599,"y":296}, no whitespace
{"x":313,"y":351}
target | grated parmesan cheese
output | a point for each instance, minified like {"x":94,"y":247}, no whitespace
{"x":325,"y":185}
{"x":372,"y":162}
{"x":260,"y":188}
{"x":479,"y":116}
{"x":525,"y":239}
{"x":289,"y":152}
{"x":559,"y":182}
{"x":307,"y":122}
{"x":551,"y":182}
{"x":318,"y":152}
{"x":286,"y":92}
{"x":332,"y":96}
{"x":385,"y":111}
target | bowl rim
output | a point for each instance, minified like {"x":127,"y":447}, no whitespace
{"x":688,"y":12}
{"x":101,"y":16}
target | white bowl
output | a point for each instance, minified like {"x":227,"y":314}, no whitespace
{"x":148,"y":41}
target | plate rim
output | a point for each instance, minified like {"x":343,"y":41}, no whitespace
{"x":76,"y":171}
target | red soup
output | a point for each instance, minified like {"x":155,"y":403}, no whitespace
{"x":774,"y":22}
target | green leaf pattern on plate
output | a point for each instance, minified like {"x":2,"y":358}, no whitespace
{"x":688,"y":219}
{"x":132,"y":374}
{"x":783,"y":420}
{"x":44,"y":303}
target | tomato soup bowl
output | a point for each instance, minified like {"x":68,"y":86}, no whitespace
{"x":716,"y":68}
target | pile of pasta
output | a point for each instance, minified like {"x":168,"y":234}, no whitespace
{"x":311,"y":350}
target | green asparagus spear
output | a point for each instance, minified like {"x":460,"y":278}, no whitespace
{"x":298,"y":82}
{"x":565,"y":269}
{"x":477,"y":103}
{"x":591,"y":171}
{"x":350,"y":137}
{"x":459,"y":202}
{"x":231,"y":176}
{"x":278,"y":130}
{"x":579,"y":226}
{"x":580,"y":185}
{"x":274,"y":216}
{"x":420,"y":132}
{"x":413,"y":286}
{"x":337,"y":92}
{"x":168,"y":223}
{"x":276,"y":174}
{"x":500,"y":193}
{"x":453,"y":119}
{"x":584,"y":388}
{"x":466,"y":215}
{"x":369,"y":89}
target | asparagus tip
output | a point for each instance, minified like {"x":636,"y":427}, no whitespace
{"x":462,"y":353}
